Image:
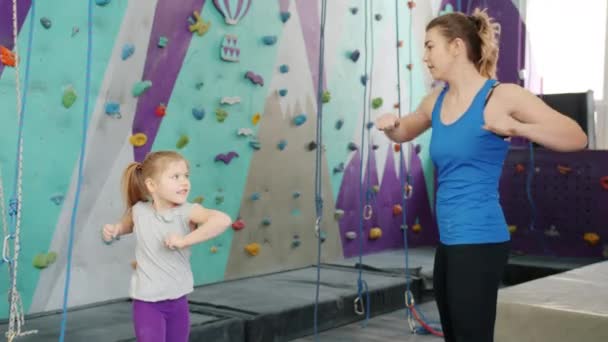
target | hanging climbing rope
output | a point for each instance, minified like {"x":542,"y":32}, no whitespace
{"x":413,"y":314}
{"x":319,"y":164}
{"x":16,"y":315}
{"x":85,"y":125}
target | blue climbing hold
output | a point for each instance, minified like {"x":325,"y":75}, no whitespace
{"x":296,"y":194}
{"x":339,"y":124}
{"x":364,"y":79}
{"x":370,"y":125}
{"x":102,"y":2}
{"x":354,"y":56}
{"x":299,"y":120}
{"x":198,"y":113}
{"x":255,"y":196}
{"x":266,"y":221}
{"x":282,"y":144}
{"x":285,"y":16}
{"x":254,"y":144}
{"x":127,"y":51}
{"x":352,"y":146}
{"x":112,"y":108}
{"x":284,"y":69}
{"x":339,"y":168}
{"x":270,"y":40}
{"x":283,"y":92}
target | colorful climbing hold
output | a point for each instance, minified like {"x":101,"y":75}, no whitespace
{"x":198,"y":199}
{"x":269,"y":40}
{"x":238,"y":224}
{"x":282,"y":92}
{"x":375,"y":233}
{"x":198,"y":113}
{"x":140,"y":87}
{"x":162,"y":41}
{"x":397,"y":147}
{"x":226,"y":158}
{"x":230,"y":100}
{"x":112,"y":108}
{"x":299,"y":120}
{"x":339,"y":168}
{"x":138,"y":139}
{"x":354,"y":56}
{"x":254,"y":78}
{"x":377,"y":102}
{"x":197,"y":24}
{"x":296,"y":194}
{"x":266,"y":221}
{"x":229,"y":51}
{"x":604,"y":182}
{"x":255,"y":144}
{"x":221,"y":114}
{"x":285,"y":16}
{"x":255,"y":196}
{"x":326,"y":97}
{"x":512,"y":228}
{"x":253,"y":248}
{"x":69,"y":97}
{"x":160,"y":110}
{"x":182,"y":142}
{"x":282,"y":144}
{"x":352,"y":146}
{"x":397,"y":210}
{"x":46,"y":22}
{"x":338,"y":214}
{"x":256,"y":118}
{"x":591,"y":238}
{"x":312,"y":146}
{"x":244,"y":132}
{"x":7,"y":57}
{"x":417,"y":228}
{"x":284,"y":68}
{"x":339,"y":124}
{"x":350,"y":235}
{"x":102,"y":2}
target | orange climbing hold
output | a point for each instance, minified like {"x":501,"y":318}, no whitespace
{"x":7,"y":57}
{"x":138,"y":139}
{"x":604,"y":182}
{"x":397,"y":210}
{"x":397,"y":147}
{"x":519,"y":168}
{"x":256,"y":118}
{"x":133,"y":264}
{"x":253,"y":249}
{"x":564,"y":170}
{"x":238,"y":224}
{"x":410,"y":66}
{"x":375,"y":233}
{"x":161,"y":110}
{"x":591,"y":238}
{"x":396,"y":105}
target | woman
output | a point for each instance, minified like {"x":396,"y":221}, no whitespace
{"x":472,"y":116}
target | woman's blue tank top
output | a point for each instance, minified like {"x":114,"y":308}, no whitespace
{"x":468,"y":162}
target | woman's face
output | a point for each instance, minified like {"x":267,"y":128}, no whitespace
{"x":438,"y":54}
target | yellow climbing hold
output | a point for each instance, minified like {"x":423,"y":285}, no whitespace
{"x":133,"y":264}
{"x":417,"y":228}
{"x":591,"y":238}
{"x":198,"y":199}
{"x":138,"y":139}
{"x":253,"y":248}
{"x":198,"y":25}
{"x":256,"y":118}
{"x":512,"y":229}
{"x":375,"y":233}
{"x":213,"y":249}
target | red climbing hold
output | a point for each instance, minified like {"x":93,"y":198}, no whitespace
{"x":411,"y":4}
{"x":238,"y":224}
{"x":604,"y":182}
{"x":161,"y":110}
{"x":397,"y":210}
{"x":7,"y":57}
{"x":400,"y":44}
{"x":397,"y":147}
{"x":410,"y":66}
{"x":519,"y":168}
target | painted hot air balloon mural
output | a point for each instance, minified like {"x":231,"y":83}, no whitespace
{"x":232,"y":10}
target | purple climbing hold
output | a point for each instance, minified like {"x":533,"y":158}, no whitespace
{"x":226,"y":157}
{"x":254,"y":78}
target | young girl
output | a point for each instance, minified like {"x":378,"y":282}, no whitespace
{"x":471,"y":117}
{"x":165,"y":226}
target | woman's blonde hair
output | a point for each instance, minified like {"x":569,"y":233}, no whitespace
{"x":133,"y":179}
{"x":479,"y":32}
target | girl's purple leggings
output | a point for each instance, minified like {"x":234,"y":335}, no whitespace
{"x":164,"y":321}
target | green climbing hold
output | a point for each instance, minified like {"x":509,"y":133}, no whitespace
{"x":162,"y":41}
{"x":182,"y":142}
{"x":377,"y":102}
{"x":326,"y":97}
{"x":43,"y":260}
{"x":140,"y":88}
{"x":69,"y":97}
{"x":51,"y":257}
{"x":221,"y":114}
{"x":219,"y":199}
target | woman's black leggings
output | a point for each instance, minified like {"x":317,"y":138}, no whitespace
{"x":466,"y":280}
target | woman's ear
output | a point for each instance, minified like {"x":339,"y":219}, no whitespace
{"x":458,"y":47}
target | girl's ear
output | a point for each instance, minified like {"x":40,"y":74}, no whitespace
{"x":150,"y":185}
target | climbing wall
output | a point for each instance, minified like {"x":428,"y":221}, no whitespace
{"x":232,"y":86}
{"x":566,"y":216}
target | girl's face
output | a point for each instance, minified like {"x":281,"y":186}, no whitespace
{"x":172,"y":186}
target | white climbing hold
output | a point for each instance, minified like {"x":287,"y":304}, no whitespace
{"x":230,"y":100}
{"x":245,"y":132}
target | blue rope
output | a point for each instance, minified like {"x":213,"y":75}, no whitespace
{"x":85,"y":125}
{"x":318,"y":166}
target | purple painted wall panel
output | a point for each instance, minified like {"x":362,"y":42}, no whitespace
{"x":417,"y":208}
{"x":6,"y":23}
{"x":163,"y":65}
{"x":573,"y":203}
